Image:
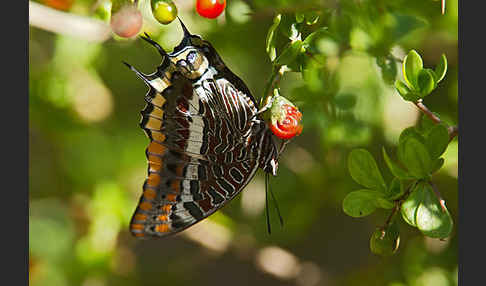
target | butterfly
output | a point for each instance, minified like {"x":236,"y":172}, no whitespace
{"x":207,"y":138}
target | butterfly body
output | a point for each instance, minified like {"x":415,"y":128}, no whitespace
{"x":207,"y":139}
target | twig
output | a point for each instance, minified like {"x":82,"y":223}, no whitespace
{"x":389,"y":219}
{"x":427,"y":112}
{"x":59,"y":22}
{"x":396,"y":208}
{"x":438,"y":195}
{"x":453,"y":130}
{"x":277,"y":73}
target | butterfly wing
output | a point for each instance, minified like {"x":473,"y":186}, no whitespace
{"x":203,"y":150}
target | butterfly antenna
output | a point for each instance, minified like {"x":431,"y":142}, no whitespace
{"x":154,"y":43}
{"x":139,"y":74}
{"x":266,"y":204}
{"x":276,"y":204}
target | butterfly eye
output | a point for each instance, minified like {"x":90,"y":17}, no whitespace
{"x":191,"y":57}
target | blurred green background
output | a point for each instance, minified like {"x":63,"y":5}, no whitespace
{"x":87,"y":157}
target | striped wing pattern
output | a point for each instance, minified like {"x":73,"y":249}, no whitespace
{"x":204,"y":147}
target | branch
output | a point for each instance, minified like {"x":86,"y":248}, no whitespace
{"x":453,"y":130}
{"x":396,"y":208}
{"x":390,"y":217}
{"x":63,"y":23}
{"x":427,"y":112}
{"x":438,"y":195}
{"x":277,"y":73}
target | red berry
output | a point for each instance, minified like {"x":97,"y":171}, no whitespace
{"x":64,"y":5}
{"x":210,"y":8}
{"x":290,"y":125}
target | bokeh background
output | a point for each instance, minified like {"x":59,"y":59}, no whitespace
{"x":87,"y":162}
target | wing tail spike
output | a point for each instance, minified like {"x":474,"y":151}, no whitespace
{"x":187,"y":34}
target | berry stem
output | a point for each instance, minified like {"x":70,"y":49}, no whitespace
{"x":273,"y":83}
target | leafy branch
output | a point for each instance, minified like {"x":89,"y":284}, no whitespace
{"x":419,"y":150}
{"x":419,"y":154}
{"x":296,"y":52}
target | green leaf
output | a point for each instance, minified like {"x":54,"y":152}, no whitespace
{"x":290,"y":53}
{"x":402,"y":88}
{"x":317,"y":34}
{"x":441,"y":69}
{"x":383,"y":203}
{"x":409,"y":132}
{"x":271,"y":36}
{"x":431,"y":219}
{"x":425,"y":125}
{"x":364,"y":171}
{"x":416,"y":158}
{"x":413,"y":97}
{"x":345,"y":101}
{"x":426,"y":81}
{"x":412,"y":65}
{"x":385,"y":242}
{"x":299,"y":17}
{"x":411,"y":204}
{"x":437,"y":165}
{"x":288,"y":26}
{"x":311,"y":17}
{"x":388,"y":69}
{"x":396,"y":170}
{"x":437,"y":140}
{"x":297,"y":64}
{"x":312,"y":77}
{"x":361,"y":203}
{"x":404,"y":25}
{"x":396,"y":189}
{"x":341,"y":25}
{"x":405,"y":92}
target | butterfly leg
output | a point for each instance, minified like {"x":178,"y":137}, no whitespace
{"x":263,"y":109}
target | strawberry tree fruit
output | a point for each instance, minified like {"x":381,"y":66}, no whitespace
{"x":63,"y":5}
{"x":127,"y":21}
{"x":285,"y":118}
{"x":165,"y":11}
{"x":210,"y":8}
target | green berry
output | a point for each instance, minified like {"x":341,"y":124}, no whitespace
{"x":165,"y":11}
